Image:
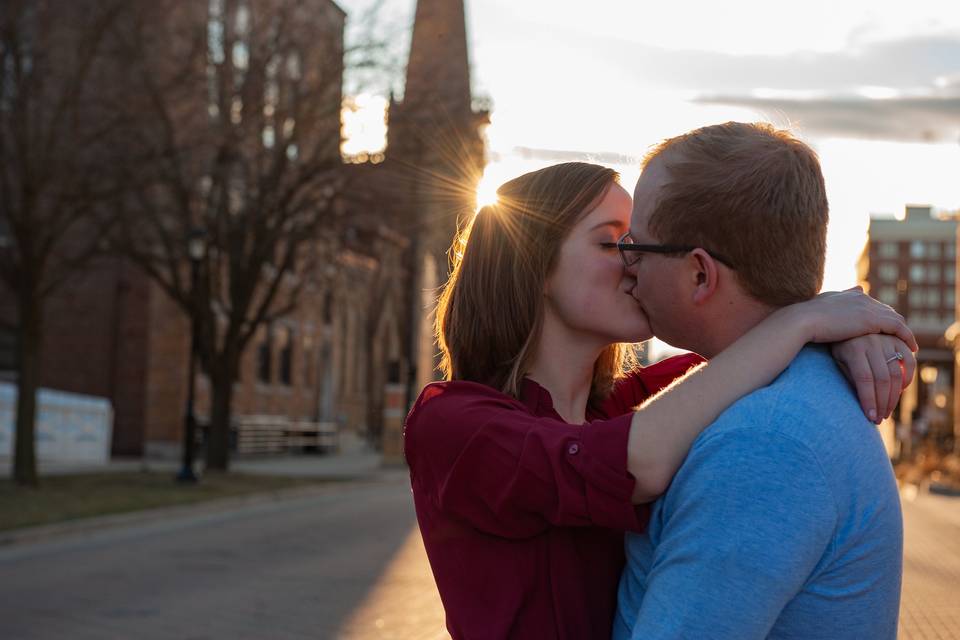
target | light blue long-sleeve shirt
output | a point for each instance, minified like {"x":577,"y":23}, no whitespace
{"x":783,"y":522}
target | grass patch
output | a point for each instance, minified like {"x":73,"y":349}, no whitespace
{"x":70,"y":497}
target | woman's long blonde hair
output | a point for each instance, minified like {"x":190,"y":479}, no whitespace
{"x":490,"y":313}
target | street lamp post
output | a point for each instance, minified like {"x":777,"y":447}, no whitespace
{"x":196,"y":249}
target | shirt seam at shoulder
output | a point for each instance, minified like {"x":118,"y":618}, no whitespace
{"x":767,"y":423}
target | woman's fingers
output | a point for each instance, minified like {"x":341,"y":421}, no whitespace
{"x":908,"y":366}
{"x":896,"y":388}
{"x":896,"y":326}
{"x":860,"y":373}
{"x":880,"y":372}
{"x":888,"y":348}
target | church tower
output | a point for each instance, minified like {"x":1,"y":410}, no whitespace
{"x":437,"y":87}
{"x":434,"y":131}
{"x":435,"y":146}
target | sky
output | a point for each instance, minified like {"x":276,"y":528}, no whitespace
{"x":873,"y":86}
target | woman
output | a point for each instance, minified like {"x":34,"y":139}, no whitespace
{"x":527,"y":464}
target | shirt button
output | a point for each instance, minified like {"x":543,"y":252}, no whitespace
{"x":573,"y":449}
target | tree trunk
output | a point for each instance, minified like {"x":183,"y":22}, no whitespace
{"x":218,"y":444}
{"x":28,"y":369}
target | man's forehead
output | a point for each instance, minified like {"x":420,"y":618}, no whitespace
{"x":652,"y":178}
{"x":644,"y":199}
{"x":638,"y":223}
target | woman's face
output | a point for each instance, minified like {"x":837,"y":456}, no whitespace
{"x":588,"y":290}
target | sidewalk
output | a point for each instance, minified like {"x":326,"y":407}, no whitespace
{"x":355,"y":459}
{"x":354,"y":463}
{"x":930,"y":602}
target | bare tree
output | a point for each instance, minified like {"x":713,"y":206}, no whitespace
{"x":53,"y":132}
{"x":237,"y":137}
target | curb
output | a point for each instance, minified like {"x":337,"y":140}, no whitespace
{"x":941,"y":489}
{"x":43,"y":533}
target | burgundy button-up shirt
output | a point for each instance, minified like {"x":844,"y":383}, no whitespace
{"x":522,"y":514}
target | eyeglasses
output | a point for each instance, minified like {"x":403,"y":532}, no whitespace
{"x":631,"y":253}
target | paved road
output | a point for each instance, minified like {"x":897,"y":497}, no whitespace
{"x":347,"y":565}
{"x":930,"y":604}
{"x":300,"y":568}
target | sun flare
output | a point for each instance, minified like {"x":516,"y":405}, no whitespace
{"x":487,"y":189}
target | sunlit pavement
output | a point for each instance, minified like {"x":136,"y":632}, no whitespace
{"x":347,"y":564}
{"x":931,"y":585}
{"x":930,"y":605}
{"x":404,"y":604}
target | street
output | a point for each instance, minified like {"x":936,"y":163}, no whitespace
{"x":346,"y":563}
{"x":930,"y":603}
{"x":299,"y":568}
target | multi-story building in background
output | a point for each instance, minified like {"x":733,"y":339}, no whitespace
{"x":911,"y":264}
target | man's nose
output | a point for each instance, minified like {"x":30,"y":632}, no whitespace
{"x":630,"y":280}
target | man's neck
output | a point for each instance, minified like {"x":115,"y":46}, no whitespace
{"x":728,"y":324}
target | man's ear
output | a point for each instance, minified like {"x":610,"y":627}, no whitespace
{"x":706,"y":276}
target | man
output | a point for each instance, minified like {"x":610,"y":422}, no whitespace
{"x":784,"y":521}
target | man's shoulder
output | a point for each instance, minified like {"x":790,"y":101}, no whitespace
{"x":811,"y":393}
{"x":808,"y":416}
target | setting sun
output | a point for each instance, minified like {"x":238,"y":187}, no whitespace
{"x":487,"y":188}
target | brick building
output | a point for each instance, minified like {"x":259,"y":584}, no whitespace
{"x":911,"y":264}
{"x":364,"y":323}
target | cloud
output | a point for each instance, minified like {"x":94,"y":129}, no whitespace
{"x":564,"y":155}
{"x":899,"y":64}
{"x":832,"y":93}
{"x":905,"y":119}
{"x":825,"y":92}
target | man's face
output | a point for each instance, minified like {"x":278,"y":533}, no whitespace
{"x":659,"y":278}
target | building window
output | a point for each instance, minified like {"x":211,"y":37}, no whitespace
{"x":933,"y":274}
{"x":949,"y":298}
{"x":888,"y":249}
{"x":328,"y":308}
{"x":933,"y":250}
{"x":917,"y":273}
{"x":888,"y":295}
{"x":916,"y":298}
{"x":350,"y":355}
{"x":888,"y":272}
{"x":933,"y":298}
{"x":8,"y":349}
{"x":309,"y":370}
{"x":264,"y":356}
{"x":950,"y":273}
{"x":950,"y":250}
{"x":286,"y":356}
{"x":917,"y":249}
{"x":393,"y":372}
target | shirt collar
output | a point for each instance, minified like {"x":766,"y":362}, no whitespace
{"x":536,"y":398}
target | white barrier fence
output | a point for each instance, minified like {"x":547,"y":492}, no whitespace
{"x":70,"y":427}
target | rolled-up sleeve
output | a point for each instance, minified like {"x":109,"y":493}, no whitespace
{"x":486,"y":460}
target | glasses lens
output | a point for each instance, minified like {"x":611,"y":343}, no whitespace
{"x":630,"y":258}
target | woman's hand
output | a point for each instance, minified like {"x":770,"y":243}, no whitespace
{"x":840,"y":315}
{"x":879,"y":383}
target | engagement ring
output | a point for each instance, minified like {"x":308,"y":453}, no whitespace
{"x":896,"y":356}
